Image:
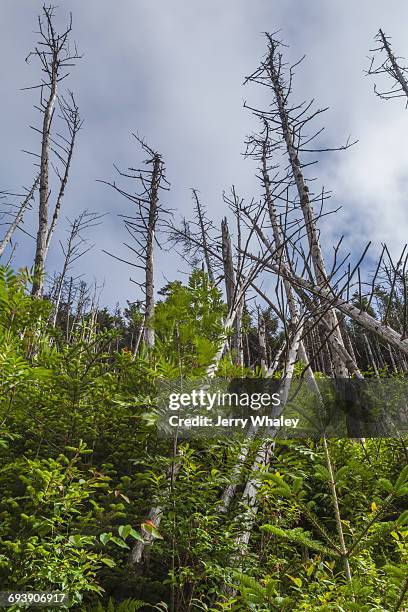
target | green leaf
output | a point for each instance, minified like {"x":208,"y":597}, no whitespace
{"x":322,"y":472}
{"x":124,"y":531}
{"x":75,"y":540}
{"x":40,"y":373}
{"x":109,"y":562}
{"x":385,"y":485}
{"x":341,"y":473}
{"x":136,"y":535}
{"x":119,"y":542}
{"x":403,"y":518}
{"x":301,"y":537}
{"x":296,"y":581}
{"x":402,"y":478}
{"x":105,"y":537}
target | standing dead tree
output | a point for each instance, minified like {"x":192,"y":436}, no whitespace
{"x":236,"y":205}
{"x":204,"y":226}
{"x":76,"y":246}
{"x":288,"y":122}
{"x":196,"y":238}
{"x":230,"y":289}
{"x":144,"y":224}
{"x":55,"y":56}
{"x":391,"y":66}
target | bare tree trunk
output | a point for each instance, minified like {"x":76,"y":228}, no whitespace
{"x":229,"y":273}
{"x":69,"y":303}
{"x":143,"y":226}
{"x":204,"y":237}
{"x":264,"y":454}
{"x":138,"y":340}
{"x":149,"y":282}
{"x":231,"y":290}
{"x":394,"y":365}
{"x":371,"y":356}
{"x":230,"y":489}
{"x":262,"y":342}
{"x":396,"y":72}
{"x":55,"y":56}
{"x":343,"y":358}
{"x":42,"y":234}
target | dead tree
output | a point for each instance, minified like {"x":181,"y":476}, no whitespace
{"x":144,"y":224}
{"x":18,"y":217}
{"x":263,"y":456}
{"x":55,"y":56}
{"x":287,"y":124}
{"x":230,"y":266}
{"x":390,"y":65}
{"x":195,"y":239}
{"x":204,"y":226}
{"x":236,"y":205}
{"x":229,"y":273}
{"x":64,"y":150}
{"x":262,"y":149}
{"x":230,"y":290}
{"x":262,"y":341}
{"x":75,"y":248}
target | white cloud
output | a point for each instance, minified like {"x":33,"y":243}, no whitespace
{"x":174,"y":71}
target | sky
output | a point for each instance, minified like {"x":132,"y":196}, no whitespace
{"x":174,"y":72}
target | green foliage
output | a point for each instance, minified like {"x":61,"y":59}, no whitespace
{"x":81,"y":465}
{"x":45,"y":529}
{"x":188,"y":324}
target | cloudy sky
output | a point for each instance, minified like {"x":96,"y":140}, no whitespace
{"x":173,"y":71}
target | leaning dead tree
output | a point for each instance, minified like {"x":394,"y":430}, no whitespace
{"x":263,"y":149}
{"x":18,"y":217}
{"x":385,"y":62}
{"x":144,"y":224}
{"x":55,"y":56}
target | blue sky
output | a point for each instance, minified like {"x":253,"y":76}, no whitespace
{"x":173,"y":71}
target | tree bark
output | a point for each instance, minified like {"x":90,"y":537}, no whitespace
{"x":42,"y":234}
{"x":151,"y":228}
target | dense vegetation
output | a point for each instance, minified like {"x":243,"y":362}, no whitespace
{"x":80,"y":464}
